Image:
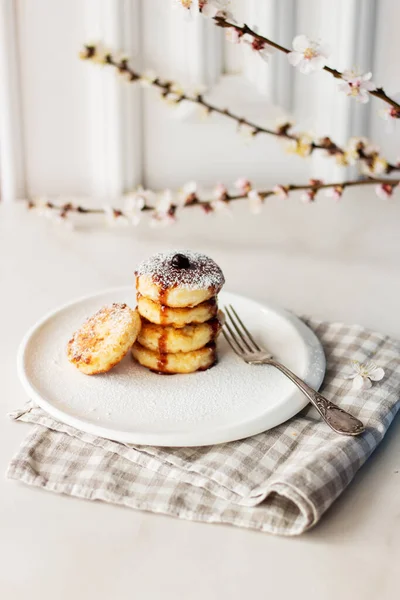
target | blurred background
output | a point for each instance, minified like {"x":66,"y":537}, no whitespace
{"x":68,"y":128}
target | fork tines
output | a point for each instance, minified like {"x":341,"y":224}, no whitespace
{"x":242,"y":340}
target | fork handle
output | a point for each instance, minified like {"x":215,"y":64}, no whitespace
{"x":338,"y":419}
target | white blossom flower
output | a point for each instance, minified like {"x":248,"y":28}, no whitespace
{"x":364,"y":374}
{"x":255,"y":202}
{"x":42,"y":208}
{"x":243,"y":185}
{"x":101,"y":54}
{"x":204,"y":112}
{"x":184,"y":110}
{"x":89,"y":50}
{"x":283,"y":124}
{"x":147,"y":78}
{"x":357,"y":85}
{"x":352,"y":150}
{"x":207,"y":8}
{"x":358,"y":147}
{"x":187,"y":194}
{"x":302,"y":145}
{"x":114,"y":217}
{"x":135,"y":202}
{"x":384,"y":191}
{"x":191,"y":7}
{"x":174,"y":95}
{"x":376,"y":165}
{"x":335,"y":192}
{"x":165,"y":201}
{"x":61,"y":218}
{"x":220,"y":192}
{"x":215,"y":8}
{"x":221,"y":206}
{"x":307,"y":196}
{"x":262,"y":48}
{"x":391,"y":114}
{"x":281,"y":191}
{"x":308,"y":55}
{"x":164,"y":213}
{"x":159,"y":220}
{"x":233,"y":35}
{"x":246,"y":131}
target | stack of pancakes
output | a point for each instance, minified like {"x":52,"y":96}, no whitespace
{"x":176,"y":298}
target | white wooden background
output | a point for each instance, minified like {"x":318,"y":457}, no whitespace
{"x":69,"y":128}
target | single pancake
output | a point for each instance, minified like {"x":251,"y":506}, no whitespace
{"x":180,"y":362}
{"x":104,"y":339}
{"x":171,"y":339}
{"x":179,"y":279}
{"x":178,"y":317}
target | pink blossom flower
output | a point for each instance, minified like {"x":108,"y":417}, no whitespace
{"x":335,"y":192}
{"x":308,"y":55}
{"x":357,"y":85}
{"x":243,"y":185}
{"x":384,"y":190}
{"x":255,"y":202}
{"x":281,"y":191}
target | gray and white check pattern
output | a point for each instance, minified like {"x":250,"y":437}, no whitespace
{"x":280,"y":481}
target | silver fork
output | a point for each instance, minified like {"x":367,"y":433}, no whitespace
{"x":242,"y":342}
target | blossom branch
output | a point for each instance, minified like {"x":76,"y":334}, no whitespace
{"x":163,"y":207}
{"x":301,"y":144}
{"x":244,"y":29}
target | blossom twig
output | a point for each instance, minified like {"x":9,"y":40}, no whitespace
{"x":298,"y":143}
{"x":163,"y":208}
{"x":244,"y":29}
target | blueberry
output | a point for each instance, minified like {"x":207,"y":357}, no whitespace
{"x":180,"y":261}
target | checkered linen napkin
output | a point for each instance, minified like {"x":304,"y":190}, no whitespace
{"x":280,"y":481}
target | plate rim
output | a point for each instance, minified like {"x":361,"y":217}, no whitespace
{"x":314,"y":379}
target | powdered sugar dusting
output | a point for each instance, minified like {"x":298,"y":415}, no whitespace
{"x":137,"y":402}
{"x":86,"y":340}
{"x":203,"y":272}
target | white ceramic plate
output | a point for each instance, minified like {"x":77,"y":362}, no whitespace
{"x":130,"y":404}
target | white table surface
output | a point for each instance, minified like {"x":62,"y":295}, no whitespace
{"x":59,"y":547}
